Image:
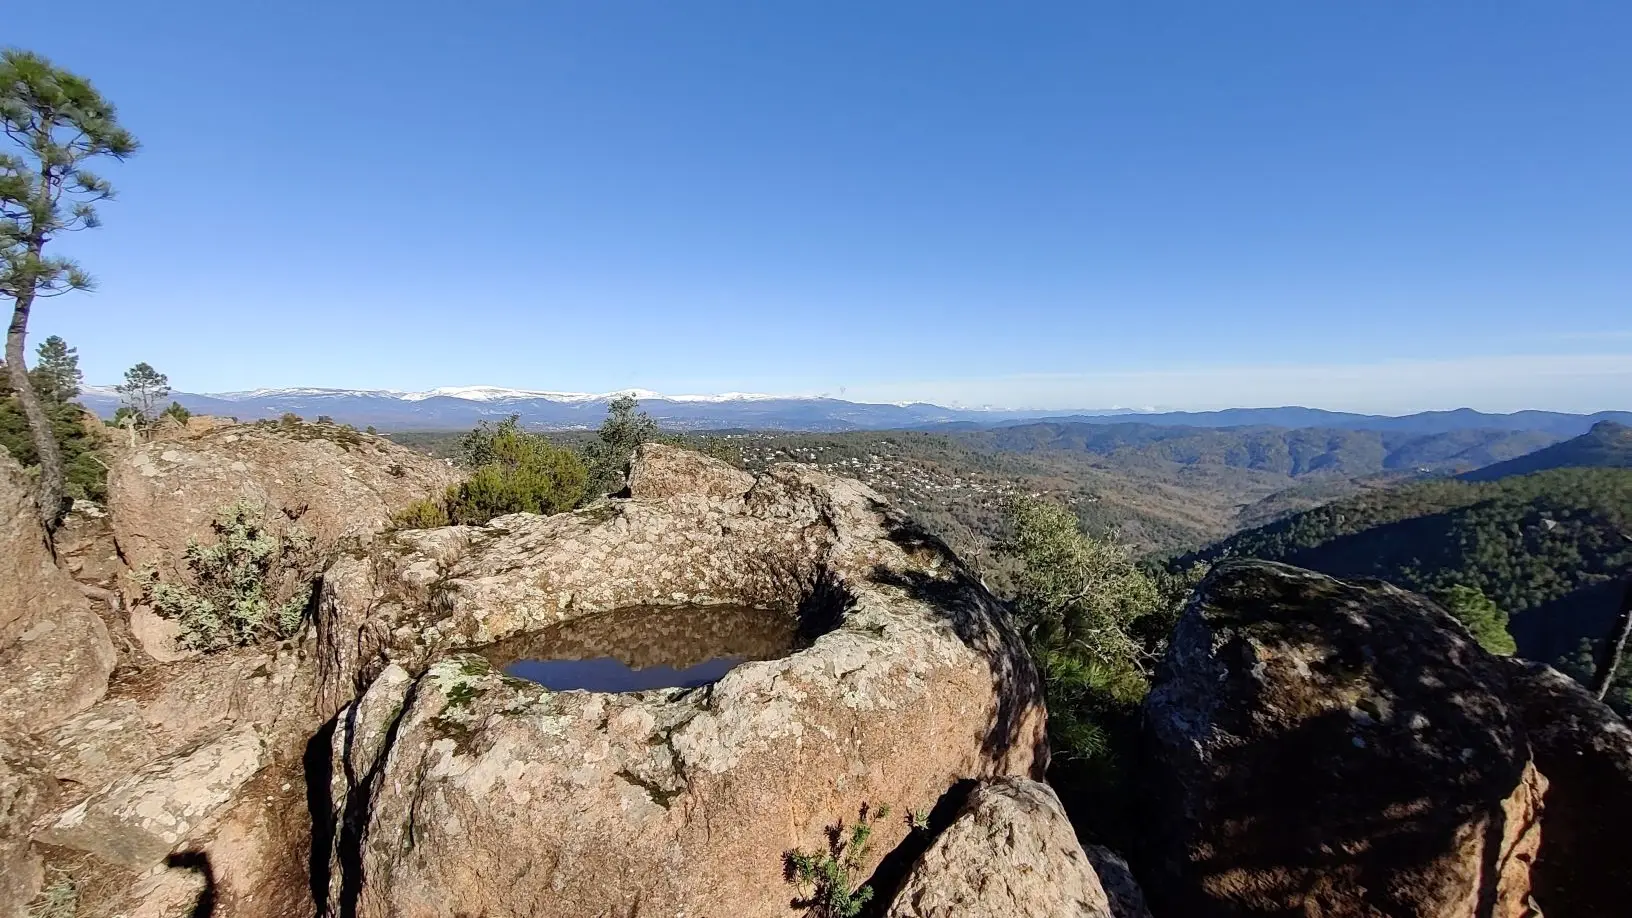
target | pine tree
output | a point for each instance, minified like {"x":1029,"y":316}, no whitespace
{"x":56,"y":373}
{"x":58,"y":121}
{"x":142,"y":392}
{"x":621,"y":433}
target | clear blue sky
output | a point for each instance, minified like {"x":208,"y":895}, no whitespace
{"x":1384,"y":206}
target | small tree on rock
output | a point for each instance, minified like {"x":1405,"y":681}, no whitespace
{"x":58,"y":122}
{"x":624,"y":429}
{"x":1480,"y":615}
{"x":142,"y":392}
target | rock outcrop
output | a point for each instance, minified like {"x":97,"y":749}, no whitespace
{"x":329,"y":480}
{"x":1011,"y":853}
{"x":136,"y":821}
{"x":1585,"y":750}
{"x":26,"y":792}
{"x":458,"y":790}
{"x":55,"y":653}
{"x":1320,"y":747}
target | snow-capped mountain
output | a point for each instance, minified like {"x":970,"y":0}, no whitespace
{"x":459,"y":407}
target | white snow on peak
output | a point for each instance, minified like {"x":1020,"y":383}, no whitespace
{"x":500,"y":393}
{"x":306,"y":392}
{"x":467,"y":393}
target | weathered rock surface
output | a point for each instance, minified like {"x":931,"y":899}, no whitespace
{"x":1585,"y":750}
{"x":255,"y":845}
{"x":137,"y":821}
{"x":1334,"y":749}
{"x":329,"y":480}
{"x":1117,"y":879}
{"x":1011,"y":853}
{"x":25,"y":793}
{"x":460,"y":791}
{"x":55,"y":654}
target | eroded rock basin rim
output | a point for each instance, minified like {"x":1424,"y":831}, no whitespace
{"x":641,"y":648}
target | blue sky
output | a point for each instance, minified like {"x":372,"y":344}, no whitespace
{"x":1381,"y":206}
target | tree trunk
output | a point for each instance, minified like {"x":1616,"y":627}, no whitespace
{"x":39,"y":425}
{"x":1614,"y":646}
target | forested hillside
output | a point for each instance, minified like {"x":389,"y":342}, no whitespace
{"x":1296,"y":453}
{"x":1607,"y":446}
{"x":1549,"y":548}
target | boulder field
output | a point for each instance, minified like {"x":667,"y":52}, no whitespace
{"x":1311,"y":746}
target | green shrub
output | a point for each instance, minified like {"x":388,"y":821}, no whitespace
{"x":176,"y":412}
{"x":830,"y":874}
{"x":85,"y":476}
{"x":249,"y":586}
{"x":1095,"y":622}
{"x":425,"y":513}
{"x":1477,"y":613}
{"x":615,"y":443}
{"x":514,"y":472}
{"x":546,"y":479}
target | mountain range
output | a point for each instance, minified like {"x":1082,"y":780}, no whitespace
{"x":458,"y":408}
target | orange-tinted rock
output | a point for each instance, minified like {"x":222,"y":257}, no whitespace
{"x":330,"y":481}
{"x":1334,"y":749}
{"x":523,"y":801}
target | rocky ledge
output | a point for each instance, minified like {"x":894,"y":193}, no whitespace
{"x":329,"y":480}
{"x":1344,"y":748}
{"x":457,"y":790}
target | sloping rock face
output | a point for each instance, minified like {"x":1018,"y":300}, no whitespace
{"x":331,"y":481}
{"x":160,"y":771}
{"x":1334,"y":749}
{"x":25,"y":792}
{"x":138,"y":820}
{"x":460,"y":791}
{"x":1011,"y":853}
{"x":55,"y":653}
{"x":1585,"y":750}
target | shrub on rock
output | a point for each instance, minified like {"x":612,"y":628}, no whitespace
{"x":249,"y":586}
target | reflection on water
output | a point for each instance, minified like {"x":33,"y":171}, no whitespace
{"x":647,"y":647}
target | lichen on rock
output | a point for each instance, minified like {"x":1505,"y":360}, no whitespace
{"x":675,"y":799}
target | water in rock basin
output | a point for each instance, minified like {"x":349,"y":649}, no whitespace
{"x":648,"y":647}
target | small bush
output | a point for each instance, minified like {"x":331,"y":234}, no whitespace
{"x":425,"y":513}
{"x":177,"y":413}
{"x":547,"y":482}
{"x":249,"y":586}
{"x":515,"y":472}
{"x":59,"y":900}
{"x":831,"y":873}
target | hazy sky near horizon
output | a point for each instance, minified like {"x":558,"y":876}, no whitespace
{"x":1383,"y":206}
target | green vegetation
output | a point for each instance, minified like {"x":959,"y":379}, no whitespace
{"x":58,"y":900}
{"x":249,"y":586}
{"x":56,"y":374}
{"x":1546,"y":548}
{"x":512,"y":472}
{"x":620,"y":435}
{"x":1607,"y":445}
{"x":141,"y":394}
{"x":1582,"y":663}
{"x":1096,"y":622}
{"x":74,"y":431}
{"x":831,"y":874}
{"x":1482,"y":618}
{"x":58,"y":122}
{"x":1524,"y":541}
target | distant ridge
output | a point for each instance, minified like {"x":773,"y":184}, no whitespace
{"x":460,"y":407}
{"x":1607,"y":445}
